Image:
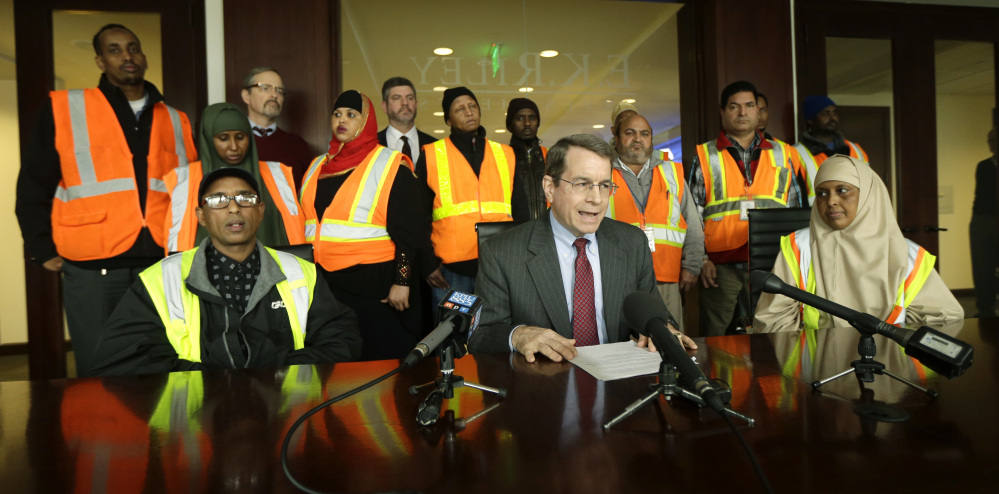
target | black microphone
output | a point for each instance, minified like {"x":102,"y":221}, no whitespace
{"x":944,"y":354}
{"x":458,"y":315}
{"x":647,"y":314}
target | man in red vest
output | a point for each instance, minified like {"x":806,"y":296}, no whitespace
{"x":91,"y":200}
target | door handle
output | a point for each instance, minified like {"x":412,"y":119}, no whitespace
{"x":931,"y":229}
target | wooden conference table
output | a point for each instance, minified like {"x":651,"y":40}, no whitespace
{"x":221,"y":431}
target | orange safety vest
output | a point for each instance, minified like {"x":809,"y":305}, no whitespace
{"x":96,"y":212}
{"x":662,"y":214}
{"x":107,"y":443}
{"x":182,"y":226}
{"x":462,"y":199}
{"x":797,"y":253}
{"x":725,"y":188}
{"x":353,"y":229}
{"x":812,"y":163}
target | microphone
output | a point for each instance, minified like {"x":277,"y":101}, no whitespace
{"x":458,"y":315}
{"x":940,"y":352}
{"x":647,"y":314}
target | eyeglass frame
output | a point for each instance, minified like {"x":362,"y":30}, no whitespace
{"x":268,"y":88}
{"x":229,"y":199}
{"x":611,"y":186}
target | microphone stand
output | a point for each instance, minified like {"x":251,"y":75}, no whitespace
{"x":443,"y":387}
{"x":667,"y":387}
{"x":866,"y":368}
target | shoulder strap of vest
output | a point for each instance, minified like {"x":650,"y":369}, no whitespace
{"x":296,"y":291}
{"x":285,"y":190}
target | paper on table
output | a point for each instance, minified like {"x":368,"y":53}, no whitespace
{"x":616,"y":360}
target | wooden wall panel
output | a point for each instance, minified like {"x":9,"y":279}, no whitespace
{"x":298,"y":38}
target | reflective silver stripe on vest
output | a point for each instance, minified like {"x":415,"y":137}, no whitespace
{"x":810,"y":168}
{"x":369,"y":189}
{"x":157,"y":185}
{"x":94,"y":189}
{"x":178,"y":206}
{"x":781,"y":164}
{"x":858,"y":152}
{"x":669,"y":235}
{"x":353,"y":232}
{"x":178,"y":136}
{"x":81,"y":137}
{"x":173,"y":287}
{"x":310,"y":230}
{"x":674,"y":189}
{"x":717,"y":178}
{"x":285,"y":190}
{"x":293,"y":272}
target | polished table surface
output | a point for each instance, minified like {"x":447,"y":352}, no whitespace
{"x":221,"y":431}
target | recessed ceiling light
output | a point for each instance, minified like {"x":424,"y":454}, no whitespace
{"x":609,"y":101}
{"x":438,"y":114}
{"x":526,"y":89}
{"x":443,"y":51}
{"x":440,"y":88}
{"x":500,"y":131}
{"x":549,"y":53}
{"x":598,"y":126}
{"x":630,"y":101}
{"x":438,"y":131}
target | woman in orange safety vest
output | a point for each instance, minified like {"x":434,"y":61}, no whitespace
{"x":225,"y":140}
{"x":364,"y":221}
{"x":853,"y":253}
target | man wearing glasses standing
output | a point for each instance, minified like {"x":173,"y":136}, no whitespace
{"x":559,"y":282}
{"x":263,"y":93}
{"x":231,"y":303}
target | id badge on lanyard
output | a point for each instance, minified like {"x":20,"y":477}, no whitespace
{"x":649,"y":234}
{"x":746,"y":203}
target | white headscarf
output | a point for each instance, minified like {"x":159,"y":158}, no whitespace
{"x":862,"y":265}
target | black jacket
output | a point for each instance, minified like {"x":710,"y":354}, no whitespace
{"x":528,"y":199}
{"x":134,"y":340}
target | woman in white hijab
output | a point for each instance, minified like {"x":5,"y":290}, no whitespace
{"x":853,"y":253}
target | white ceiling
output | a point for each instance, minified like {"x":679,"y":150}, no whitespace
{"x":379,"y":42}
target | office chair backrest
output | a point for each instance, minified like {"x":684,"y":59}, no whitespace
{"x":766,"y":227}
{"x":487,"y":229}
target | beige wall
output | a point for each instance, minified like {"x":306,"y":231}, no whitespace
{"x":13,"y":318}
{"x":962,"y":123}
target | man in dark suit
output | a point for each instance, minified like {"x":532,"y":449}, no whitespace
{"x":399,"y":103}
{"x":560,"y":281}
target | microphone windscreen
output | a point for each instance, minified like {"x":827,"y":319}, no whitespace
{"x":642,"y":307}
{"x":766,"y":281}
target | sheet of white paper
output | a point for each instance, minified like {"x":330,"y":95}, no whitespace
{"x":616,"y":360}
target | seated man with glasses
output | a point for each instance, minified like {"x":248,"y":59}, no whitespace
{"x":559,"y":282}
{"x":230,"y":303}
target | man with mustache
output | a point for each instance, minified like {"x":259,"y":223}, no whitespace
{"x":652,"y":196}
{"x":400,"y":104}
{"x":264,"y":92}
{"x":740,"y":170}
{"x":230,"y":303}
{"x":822,"y":139}
{"x":91,"y":184}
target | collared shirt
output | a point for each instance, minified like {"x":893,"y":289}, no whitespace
{"x":234,"y":280}
{"x":393,"y":141}
{"x":640,"y":184}
{"x":567,"y":265}
{"x":745,"y":156}
{"x":272,"y":127}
